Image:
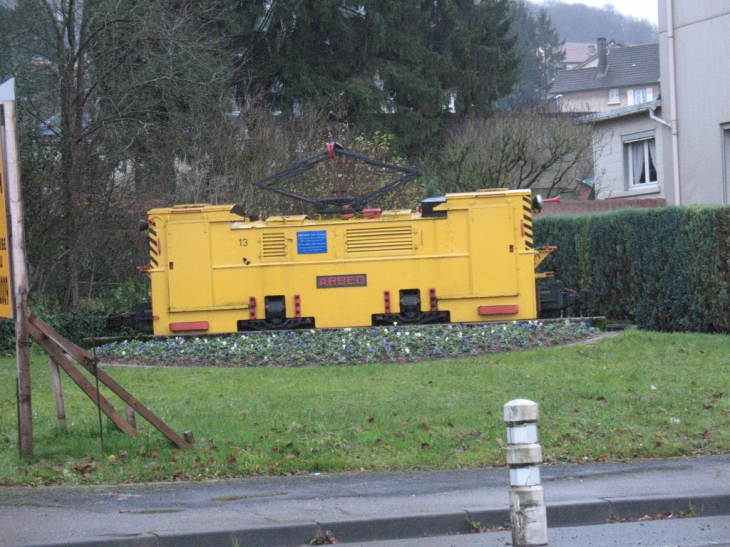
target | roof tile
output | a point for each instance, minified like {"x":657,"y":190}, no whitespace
{"x":627,"y":66}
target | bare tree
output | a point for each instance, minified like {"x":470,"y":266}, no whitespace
{"x":546,"y":152}
{"x":110,"y":90}
{"x":253,"y":143}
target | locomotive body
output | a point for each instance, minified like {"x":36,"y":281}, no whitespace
{"x":465,"y":257}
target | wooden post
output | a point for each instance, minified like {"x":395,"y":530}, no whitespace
{"x":131,"y":417}
{"x":58,"y":395}
{"x":19,"y":279}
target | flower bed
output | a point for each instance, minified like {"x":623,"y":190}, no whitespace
{"x":347,"y":346}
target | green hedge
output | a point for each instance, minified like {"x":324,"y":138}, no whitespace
{"x":664,"y":269}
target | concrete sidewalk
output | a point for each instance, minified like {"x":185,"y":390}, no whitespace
{"x":362,"y":507}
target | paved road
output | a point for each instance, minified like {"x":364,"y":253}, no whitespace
{"x":362,"y":507}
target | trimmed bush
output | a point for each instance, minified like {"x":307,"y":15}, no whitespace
{"x":664,"y":269}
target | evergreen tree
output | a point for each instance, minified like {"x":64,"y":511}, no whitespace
{"x":524,"y":29}
{"x":386,"y":64}
{"x":540,"y":50}
{"x":550,"y":50}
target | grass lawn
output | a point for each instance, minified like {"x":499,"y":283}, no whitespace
{"x":637,"y":395}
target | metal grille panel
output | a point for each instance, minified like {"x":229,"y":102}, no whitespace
{"x":372,"y":240}
{"x":274,"y":245}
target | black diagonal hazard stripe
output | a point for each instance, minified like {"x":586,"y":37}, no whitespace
{"x":527,"y":208}
{"x":153,"y":246}
{"x":527,"y":221}
{"x":528,"y":232}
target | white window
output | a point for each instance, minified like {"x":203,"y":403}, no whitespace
{"x":640,"y":96}
{"x":640,"y":156}
{"x":614,"y":96}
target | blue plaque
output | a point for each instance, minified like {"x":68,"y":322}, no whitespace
{"x":312,"y":243}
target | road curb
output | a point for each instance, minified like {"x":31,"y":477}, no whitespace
{"x":584,"y":513}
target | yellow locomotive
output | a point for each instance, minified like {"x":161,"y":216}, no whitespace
{"x":466,"y":257}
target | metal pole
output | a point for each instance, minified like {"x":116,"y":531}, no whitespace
{"x":526,"y":496}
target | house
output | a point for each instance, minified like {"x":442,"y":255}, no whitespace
{"x":675,"y":146}
{"x":576,"y":53}
{"x":629,"y":151}
{"x":616,"y":76}
{"x":620,"y":87}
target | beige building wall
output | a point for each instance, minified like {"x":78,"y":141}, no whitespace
{"x":585,"y":101}
{"x":702,"y":69}
{"x":610,"y":156}
{"x":599,"y":100}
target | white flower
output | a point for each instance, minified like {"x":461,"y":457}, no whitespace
{"x":653,"y":387}
{"x":407,"y":350}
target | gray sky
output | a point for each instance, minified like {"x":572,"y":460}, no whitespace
{"x":641,"y":9}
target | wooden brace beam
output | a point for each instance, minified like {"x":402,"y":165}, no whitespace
{"x":89,"y":361}
{"x":58,"y":356}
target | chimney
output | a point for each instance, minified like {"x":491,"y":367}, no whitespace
{"x":602,"y":60}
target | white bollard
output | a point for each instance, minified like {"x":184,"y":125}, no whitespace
{"x":526,"y":496}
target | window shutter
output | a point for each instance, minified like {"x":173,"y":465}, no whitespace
{"x":630,"y":94}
